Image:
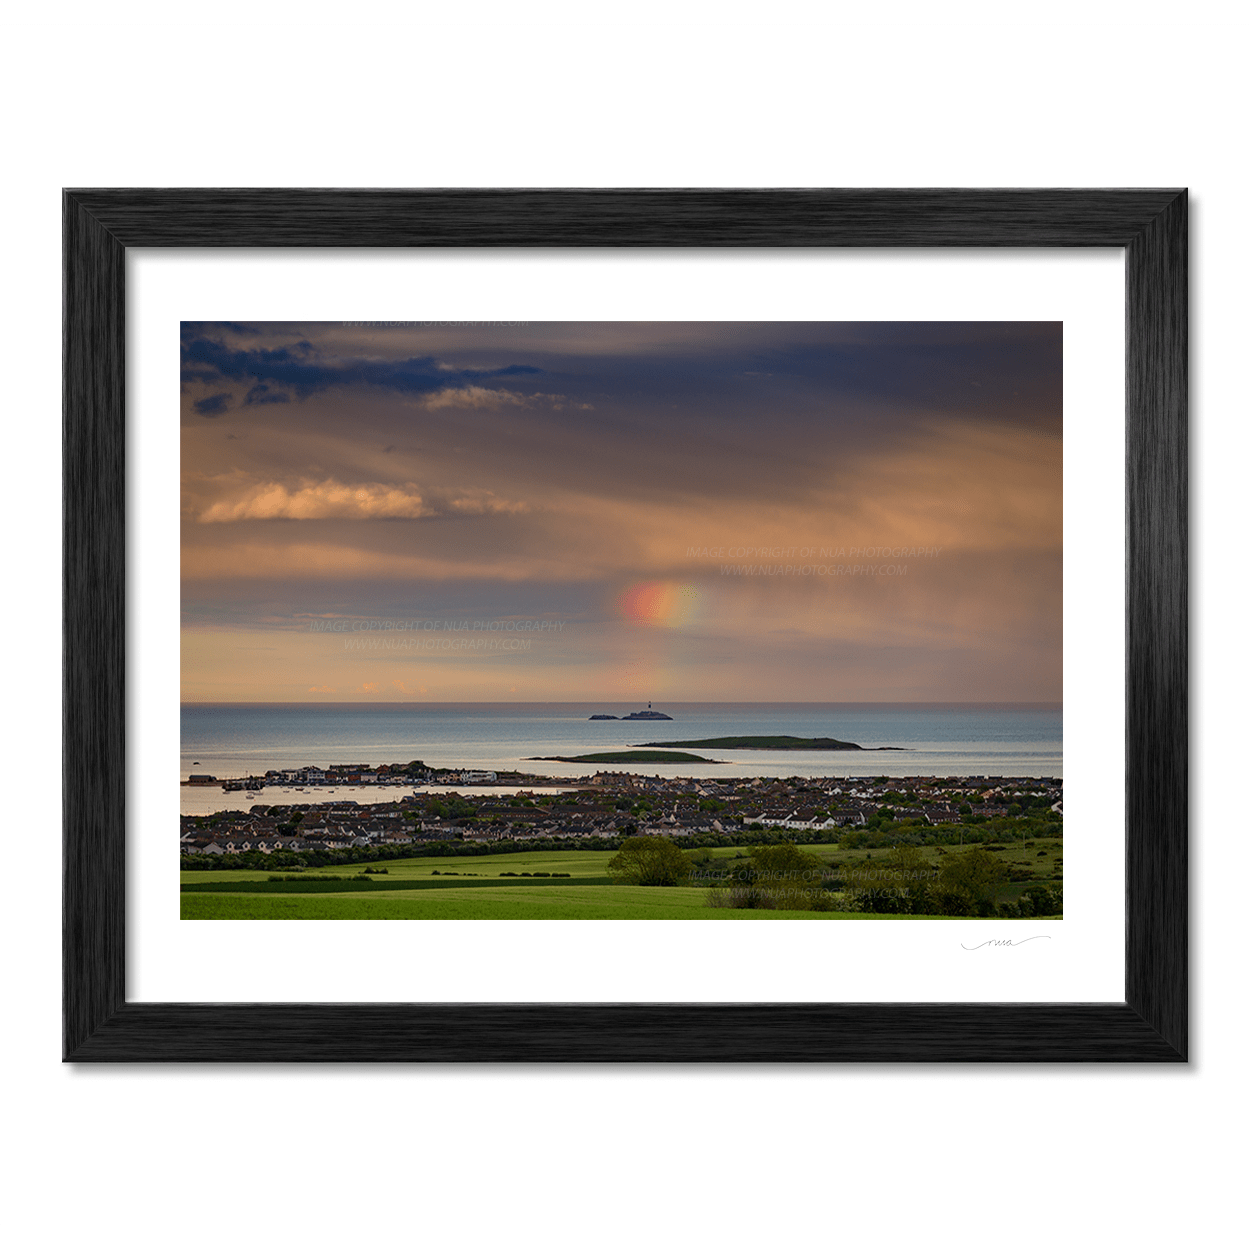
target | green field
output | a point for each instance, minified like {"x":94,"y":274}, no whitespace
{"x":456,"y":888}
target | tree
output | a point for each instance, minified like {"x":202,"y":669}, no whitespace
{"x":649,"y":861}
{"x":977,"y":873}
{"x":791,"y":878}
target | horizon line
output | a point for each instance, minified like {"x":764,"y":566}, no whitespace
{"x":599,"y":702}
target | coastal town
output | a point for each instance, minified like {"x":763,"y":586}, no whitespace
{"x":600,"y":806}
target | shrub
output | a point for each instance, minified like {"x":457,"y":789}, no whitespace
{"x":951,"y":901}
{"x":883,"y":902}
{"x":792,"y":877}
{"x":750,"y":897}
{"x":976,"y":873}
{"x":319,"y":877}
{"x":1044,"y":902}
{"x":776,"y":878}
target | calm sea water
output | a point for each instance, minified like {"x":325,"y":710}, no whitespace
{"x":957,"y":739}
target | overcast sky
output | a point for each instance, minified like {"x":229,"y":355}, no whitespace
{"x":622,"y":511}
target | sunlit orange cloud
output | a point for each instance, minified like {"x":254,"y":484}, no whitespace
{"x":473,"y":397}
{"x":268,"y":501}
{"x":364,"y":501}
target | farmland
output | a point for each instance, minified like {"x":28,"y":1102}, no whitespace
{"x":548,"y":884}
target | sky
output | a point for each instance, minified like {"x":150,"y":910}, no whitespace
{"x":621,"y":512}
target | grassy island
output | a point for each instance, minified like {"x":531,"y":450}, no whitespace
{"x":630,"y":757}
{"x":777,"y":742}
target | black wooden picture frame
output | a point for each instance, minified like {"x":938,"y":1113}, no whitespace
{"x":101,"y":1026}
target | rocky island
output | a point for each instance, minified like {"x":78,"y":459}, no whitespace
{"x":647,"y":715}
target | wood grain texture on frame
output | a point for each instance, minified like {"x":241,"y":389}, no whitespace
{"x":1149,"y":1025}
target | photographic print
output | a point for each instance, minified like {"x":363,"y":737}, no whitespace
{"x":637,"y":620}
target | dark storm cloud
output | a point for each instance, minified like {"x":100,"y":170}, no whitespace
{"x":303,"y":369}
{"x":829,"y":375}
{"x":213,"y":405}
{"x":262,"y":393}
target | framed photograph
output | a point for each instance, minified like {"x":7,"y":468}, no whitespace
{"x":735,"y":498}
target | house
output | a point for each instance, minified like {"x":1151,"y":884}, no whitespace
{"x":843,"y":816}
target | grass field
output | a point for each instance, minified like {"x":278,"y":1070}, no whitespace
{"x":454,"y":888}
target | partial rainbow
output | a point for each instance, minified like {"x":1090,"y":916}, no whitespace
{"x":659,"y":608}
{"x":666,"y":604}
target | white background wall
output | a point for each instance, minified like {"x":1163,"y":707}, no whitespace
{"x":651,"y":94}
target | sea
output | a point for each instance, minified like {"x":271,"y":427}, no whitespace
{"x":939,"y":740}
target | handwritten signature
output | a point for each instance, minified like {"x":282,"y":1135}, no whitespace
{"x":1005,"y":942}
